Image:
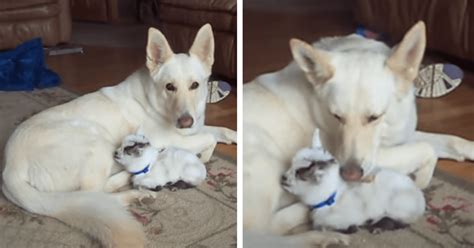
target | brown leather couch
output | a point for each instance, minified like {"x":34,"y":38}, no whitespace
{"x":22,"y":20}
{"x":180,"y":20}
{"x":450,"y":24}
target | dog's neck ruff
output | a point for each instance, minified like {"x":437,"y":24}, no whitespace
{"x":143,"y":171}
{"x":328,"y":202}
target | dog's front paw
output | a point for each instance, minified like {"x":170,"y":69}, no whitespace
{"x":423,"y":177}
{"x":461,"y":149}
{"x":227,"y":136}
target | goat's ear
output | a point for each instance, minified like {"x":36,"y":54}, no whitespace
{"x":203,"y":46}
{"x":407,"y":55}
{"x":314,"y":62}
{"x":158,"y":51}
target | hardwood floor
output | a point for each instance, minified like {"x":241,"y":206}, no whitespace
{"x":101,"y":66}
{"x":451,"y":114}
{"x":96,"y":68}
{"x":266,"y":36}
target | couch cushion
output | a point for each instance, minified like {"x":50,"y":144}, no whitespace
{"x":220,"y":21}
{"x":36,"y":12}
{"x":14,"y":33}
{"x":181,"y":37}
{"x":449,"y":24}
{"x":210,"y":5}
{"x":17,"y":4}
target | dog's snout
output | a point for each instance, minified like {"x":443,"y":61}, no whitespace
{"x":185,"y":121}
{"x":351,"y":173}
{"x":116,"y":154}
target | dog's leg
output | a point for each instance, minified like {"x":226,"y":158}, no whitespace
{"x":418,"y":158}
{"x":201,"y":143}
{"x":261,"y":174}
{"x":222,"y":134}
{"x":206,"y":154}
{"x":288,"y":218}
{"x":448,"y":146}
{"x":117,"y":181}
{"x":97,"y":168}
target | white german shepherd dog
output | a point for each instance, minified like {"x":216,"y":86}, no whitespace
{"x":359,"y":93}
{"x":60,"y":162}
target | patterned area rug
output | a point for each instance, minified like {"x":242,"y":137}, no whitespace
{"x":448,"y":221}
{"x":199,"y":218}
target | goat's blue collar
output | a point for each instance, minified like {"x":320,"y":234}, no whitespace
{"x":328,"y":202}
{"x":143,"y":171}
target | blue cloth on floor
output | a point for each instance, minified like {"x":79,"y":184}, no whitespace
{"x":23,"y":68}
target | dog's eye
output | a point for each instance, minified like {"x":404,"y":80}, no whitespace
{"x":170,"y":87}
{"x":338,"y":117}
{"x":372,"y":118}
{"x":194,"y":86}
{"x":140,"y":145}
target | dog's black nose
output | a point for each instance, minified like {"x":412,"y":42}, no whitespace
{"x":185,"y":121}
{"x":115,"y":154}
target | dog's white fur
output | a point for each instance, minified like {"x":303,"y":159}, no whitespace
{"x":165,"y":165}
{"x":359,"y":93}
{"x":59,"y":162}
{"x":314,"y":176}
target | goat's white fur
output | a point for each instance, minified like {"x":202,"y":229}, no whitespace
{"x":389,"y":194}
{"x":165,"y":165}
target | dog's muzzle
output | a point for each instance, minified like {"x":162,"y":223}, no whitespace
{"x":185,"y":121}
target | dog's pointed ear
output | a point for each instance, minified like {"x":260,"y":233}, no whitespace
{"x":158,"y":50}
{"x":407,"y":55}
{"x":203,"y":46}
{"x":314,"y":62}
